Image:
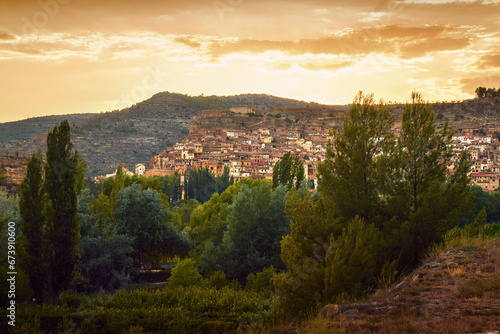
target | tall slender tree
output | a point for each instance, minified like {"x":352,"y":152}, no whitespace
{"x":32,"y":239}
{"x":62,"y":179}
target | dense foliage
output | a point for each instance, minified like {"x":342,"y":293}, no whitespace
{"x":193,"y":309}
{"x":382,"y":202}
{"x":289,"y":171}
{"x":239,"y":231}
{"x":200,"y":183}
{"x":487,"y":92}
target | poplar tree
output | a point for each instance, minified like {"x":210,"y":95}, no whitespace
{"x":63,"y":173}
{"x":32,"y":240}
{"x":289,"y":171}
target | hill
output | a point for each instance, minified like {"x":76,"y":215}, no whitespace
{"x":135,"y":134}
{"x":456,"y":291}
{"x":132,"y":135}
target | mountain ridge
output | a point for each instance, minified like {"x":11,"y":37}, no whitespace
{"x":131,"y":135}
{"x":135,"y":134}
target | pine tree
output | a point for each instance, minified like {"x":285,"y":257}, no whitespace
{"x":427,"y":198}
{"x":358,"y":163}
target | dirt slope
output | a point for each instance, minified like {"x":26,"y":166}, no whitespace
{"x":456,"y":292}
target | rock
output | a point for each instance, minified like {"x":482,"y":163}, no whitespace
{"x":330,"y":310}
{"x":432,"y":265}
{"x":400,"y":286}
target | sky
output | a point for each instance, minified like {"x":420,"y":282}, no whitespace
{"x":78,"y":56}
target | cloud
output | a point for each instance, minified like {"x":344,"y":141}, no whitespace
{"x":321,"y":11}
{"x":5,"y":36}
{"x":469,"y":85}
{"x":418,"y":49}
{"x":325,"y":67}
{"x":313,"y":67}
{"x":410,"y":41}
{"x":489,"y":60}
{"x":189,"y":42}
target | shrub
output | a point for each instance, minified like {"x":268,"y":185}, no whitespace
{"x":185,"y":274}
{"x":218,"y":279}
{"x":261,"y":281}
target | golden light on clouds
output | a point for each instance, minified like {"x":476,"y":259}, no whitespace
{"x":68,"y":56}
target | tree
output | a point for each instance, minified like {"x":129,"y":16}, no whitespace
{"x":33,"y":257}
{"x":185,"y":274}
{"x":358,"y":163}
{"x":256,"y":224}
{"x":224,"y":181}
{"x":200,"y":183}
{"x":105,"y":254}
{"x":427,"y":197}
{"x":480,"y":92}
{"x":63,"y":179}
{"x":289,"y":171}
{"x":141,"y":214}
{"x":208,"y":221}
{"x":300,"y":290}
{"x":352,"y":261}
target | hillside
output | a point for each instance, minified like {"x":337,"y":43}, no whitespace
{"x":457,"y":291}
{"x":131,"y":135}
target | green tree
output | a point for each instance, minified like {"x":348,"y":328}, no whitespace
{"x":427,"y":197}
{"x":289,"y":171}
{"x":224,"y":181}
{"x":200,"y":183}
{"x":208,"y":222}
{"x":105,"y":254}
{"x":33,"y":254}
{"x":300,"y":290}
{"x":358,"y":163}
{"x":381,"y":203}
{"x":63,"y":173}
{"x":256,"y":224}
{"x":142,"y":215}
{"x":185,"y":274}
{"x":352,"y":261}
{"x":173,"y":187}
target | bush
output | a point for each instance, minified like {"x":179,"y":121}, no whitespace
{"x":185,"y":274}
{"x":262,"y":281}
{"x":175,"y":309}
{"x":218,"y":280}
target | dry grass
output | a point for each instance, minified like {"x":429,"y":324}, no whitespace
{"x":460,"y":295}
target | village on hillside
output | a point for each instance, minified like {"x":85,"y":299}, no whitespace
{"x":249,"y":142}
{"x":253,"y":151}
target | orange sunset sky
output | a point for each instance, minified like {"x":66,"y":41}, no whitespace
{"x":74,"y":56}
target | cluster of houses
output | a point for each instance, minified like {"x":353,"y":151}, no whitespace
{"x":484,"y":151}
{"x":246,"y":153}
{"x":253,"y":152}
